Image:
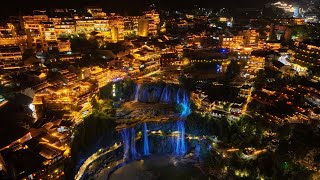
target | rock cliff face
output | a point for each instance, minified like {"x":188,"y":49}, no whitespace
{"x":168,"y":94}
{"x":160,"y":93}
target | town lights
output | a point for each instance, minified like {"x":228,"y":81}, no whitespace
{"x":114,"y":90}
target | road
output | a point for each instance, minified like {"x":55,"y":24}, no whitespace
{"x":93,"y":158}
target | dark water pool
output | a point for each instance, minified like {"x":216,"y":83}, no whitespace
{"x":159,"y":168}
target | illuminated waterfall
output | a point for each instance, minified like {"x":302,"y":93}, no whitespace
{"x":146,"y":150}
{"x":136,"y":96}
{"x":183,"y":103}
{"x":180,"y":142}
{"x":134,"y":154}
{"x":125,"y":138}
{"x":197,"y":151}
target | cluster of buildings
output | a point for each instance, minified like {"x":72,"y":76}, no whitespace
{"x":246,"y":38}
{"x":44,"y":31}
{"x":59,"y":96}
{"x":55,"y":99}
{"x":230,"y":107}
{"x":305,"y":56}
{"x":284,"y":106}
{"x":71,"y":95}
{"x":68,"y":98}
{"x":301,"y":56}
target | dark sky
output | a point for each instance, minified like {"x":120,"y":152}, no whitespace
{"x":13,"y":6}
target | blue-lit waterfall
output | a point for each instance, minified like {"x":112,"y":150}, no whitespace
{"x":197,"y":151}
{"x":178,"y":97}
{"x":181,"y":148}
{"x":184,"y":105}
{"x":134,"y":154}
{"x":136,"y":96}
{"x":182,"y":100}
{"x":167,"y":94}
{"x":126,"y":141}
{"x":146,"y":150}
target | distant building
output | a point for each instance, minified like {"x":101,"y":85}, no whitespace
{"x":85,"y":25}
{"x":170,"y":59}
{"x":225,"y":41}
{"x":311,"y":18}
{"x":143,"y":27}
{"x":154,"y":21}
{"x":116,"y":24}
{"x":251,"y":37}
{"x":39,"y":31}
{"x":48,"y":34}
{"x":306,"y":54}
{"x":131,"y":25}
{"x":271,"y":45}
{"x":64,"y":45}
{"x":96,"y":12}
{"x":290,"y":21}
{"x":10,"y":56}
{"x":12,"y":46}
{"x":63,"y":20}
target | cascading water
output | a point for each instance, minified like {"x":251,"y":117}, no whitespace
{"x":153,"y":93}
{"x":134,"y":154}
{"x":125,"y":138}
{"x":146,"y":150}
{"x":136,"y":96}
{"x":178,"y":97}
{"x":185,"y":106}
{"x":166,"y":95}
{"x":197,"y":151}
{"x":180,"y":144}
{"x":183,"y":103}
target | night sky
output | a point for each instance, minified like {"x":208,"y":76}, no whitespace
{"x":11,"y":7}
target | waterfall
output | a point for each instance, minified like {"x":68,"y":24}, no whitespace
{"x":146,"y":150}
{"x":197,"y":151}
{"x":180,"y":144}
{"x":125,"y":138}
{"x":134,"y":154}
{"x":136,"y":96}
{"x":165,"y":95}
{"x":178,"y":97}
{"x":185,"y":106}
{"x":183,"y":103}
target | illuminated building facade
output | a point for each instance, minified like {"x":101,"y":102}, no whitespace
{"x":96,"y":12}
{"x":154,"y":21}
{"x":131,"y":24}
{"x":8,"y":31}
{"x":101,"y":25}
{"x":42,"y":32}
{"x":251,"y":37}
{"x":290,"y":21}
{"x":85,"y":25}
{"x":10,"y":55}
{"x":311,"y":18}
{"x":225,"y":41}
{"x":33,"y":28}
{"x":116,"y":24}
{"x":143,"y":27}
{"x":48,"y":34}
{"x":238,"y":42}
{"x":11,"y":46}
{"x":18,"y":41}
{"x":64,"y":45}
{"x":306,"y":55}
{"x":63,"y":20}
{"x":63,"y":26}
